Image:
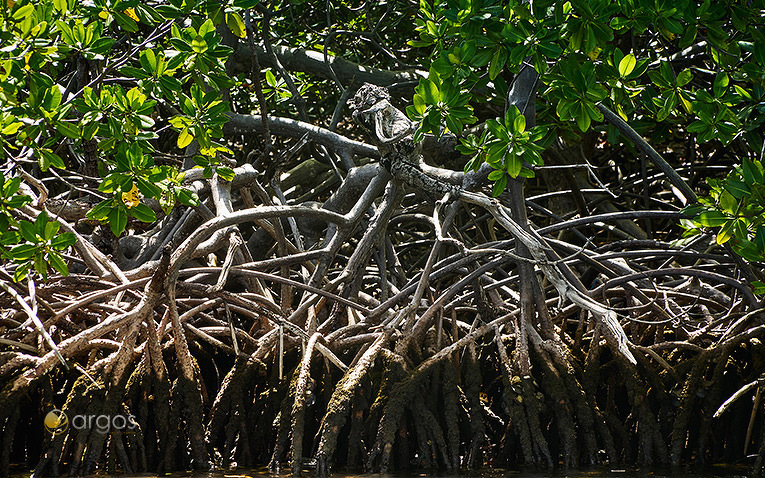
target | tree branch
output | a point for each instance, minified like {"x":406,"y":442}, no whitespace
{"x":242,"y":124}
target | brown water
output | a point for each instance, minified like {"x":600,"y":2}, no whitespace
{"x":726,"y":471}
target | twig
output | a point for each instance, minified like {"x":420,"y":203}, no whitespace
{"x":741,"y":392}
{"x":255,"y":74}
{"x":234,"y":242}
{"x":38,"y":323}
{"x":655,"y":157}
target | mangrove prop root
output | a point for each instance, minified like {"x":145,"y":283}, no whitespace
{"x":337,"y":409}
{"x":298,"y":408}
{"x":451,"y":406}
{"x":9,"y":430}
{"x":283,"y":425}
{"x":472,"y":391}
{"x":613,"y":350}
{"x":514,"y":402}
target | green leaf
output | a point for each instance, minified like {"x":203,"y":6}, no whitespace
{"x":725,"y":233}
{"x":711,"y":219}
{"x":57,"y":262}
{"x":208,"y":28}
{"x":63,"y":240}
{"x":23,"y":252}
{"x":12,"y":128}
{"x":41,"y":266}
{"x":118,"y":220}
{"x":7,"y":238}
{"x":498,"y":61}
{"x":225,"y":173}
{"x":593,"y":112}
{"x":583,"y":118}
{"x":198,"y":44}
{"x":759,"y":239}
{"x":101,"y":46}
{"x":684,"y":77}
{"x":23,"y":12}
{"x":270,"y":79}
{"x":758,"y":287}
{"x":419,"y":104}
{"x":143,"y":213}
{"x":100,"y":211}
{"x":68,"y":130}
{"x":752,"y":171}
{"x":9,"y":187}
{"x":454,"y":124}
{"x":431,"y":93}
{"x":51,"y":228}
{"x":626,"y":65}
{"x":519,"y":124}
{"x":127,"y":23}
{"x":148,"y":188}
{"x":499,"y":186}
{"x":737,"y":188}
{"x":550,"y":50}
{"x":48,"y":159}
{"x":40,"y":223}
{"x":720,"y":85}
{"x":149,"y":61}
{"x":236,"y":24}
{"x":742,"y":92}
{"x":52,"y":99}
{"x":496,"y":174}
{"x":514,"y":165}
{"x":728,"y":203}
{"x":170,"y":84}
{"x":187,"y":197}
{"x":21,"y":272}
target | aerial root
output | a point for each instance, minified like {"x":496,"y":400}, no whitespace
{"x":451,"y":408}
{"x":8,"y":428}
{"x":298,"y":407}
{"x":553,"y":386}
{"x":759,"y":464}
{"x":228,"y":413}
{"x":341,"y":400}
{"x":472,"y":387}
{"x":513,"y":399}
{"x":283,"y":424}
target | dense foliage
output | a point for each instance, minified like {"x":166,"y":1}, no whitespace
{"x":77,"y":91}
{"x":678,"y":71}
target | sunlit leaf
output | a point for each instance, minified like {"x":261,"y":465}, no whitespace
{"x":236,"y":24}
{"x":199,"y":44}
{"x":711,"y":219}
{"x":130,"y":198}
{"x":627,"y":64}
{"x":185,"y":138}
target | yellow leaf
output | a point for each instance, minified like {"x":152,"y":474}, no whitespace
{"x":236,"y":24}
{"x":185,"y":138}
{"x":130,"y":198}
{"x":131,"y":13}
{"x":621,"y":112}
{"x":103,"y":15}
{"x":10,"y":3}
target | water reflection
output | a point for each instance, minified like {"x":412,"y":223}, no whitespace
{"x":727,"y":471}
